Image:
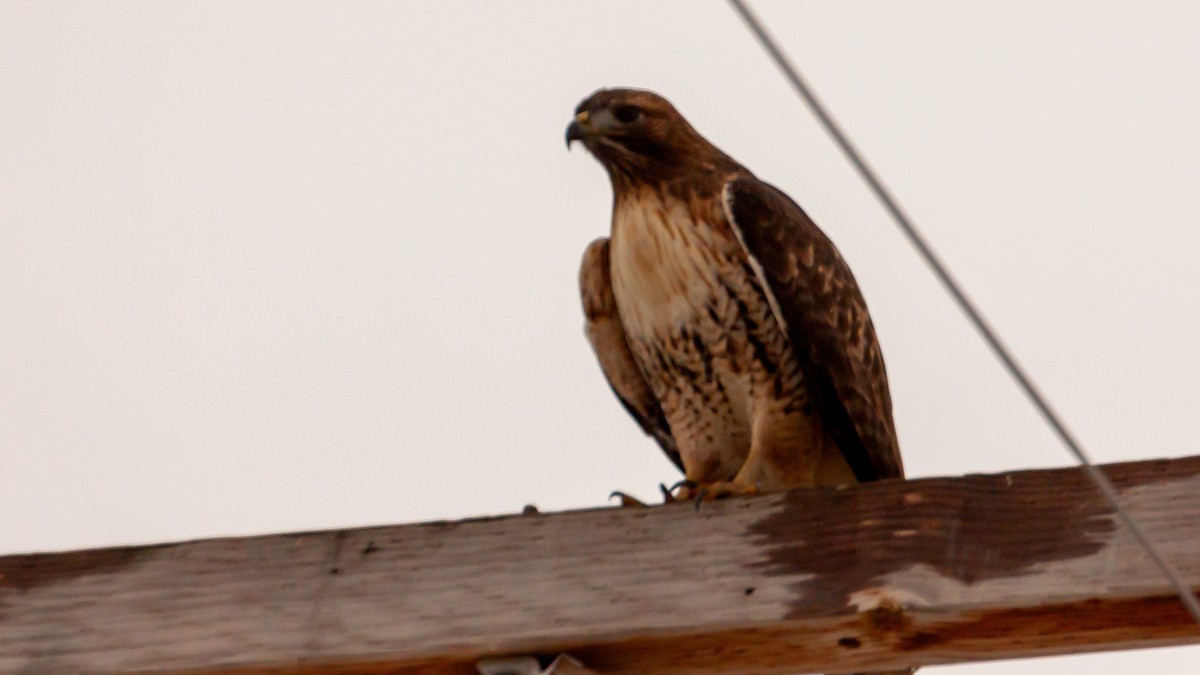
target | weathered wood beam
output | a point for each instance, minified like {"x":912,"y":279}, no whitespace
{"x":884,"y":575}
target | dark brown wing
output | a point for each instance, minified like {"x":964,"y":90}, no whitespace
{"x":607,"y":335}
{"x":817,"y":300}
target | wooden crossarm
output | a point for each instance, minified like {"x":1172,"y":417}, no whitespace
{"x":884,"y":575}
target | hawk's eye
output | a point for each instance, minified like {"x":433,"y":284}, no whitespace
{"x":627,"y":114}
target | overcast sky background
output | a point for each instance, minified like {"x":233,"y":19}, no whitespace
{"x":283,"y":266}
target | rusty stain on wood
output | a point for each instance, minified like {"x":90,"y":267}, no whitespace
{"x":876,"y":577}
{"x":886,"y":619}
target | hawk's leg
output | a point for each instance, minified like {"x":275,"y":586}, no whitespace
{"x":787,"y":448}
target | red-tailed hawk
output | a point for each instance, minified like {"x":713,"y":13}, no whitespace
{"x":726,"y":322}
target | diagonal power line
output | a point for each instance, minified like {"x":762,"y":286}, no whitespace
{"x":968,"y":307}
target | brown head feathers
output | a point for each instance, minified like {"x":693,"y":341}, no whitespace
{"x":642,"y":141}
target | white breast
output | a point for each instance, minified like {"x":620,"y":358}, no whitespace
{"x":664,"y":265}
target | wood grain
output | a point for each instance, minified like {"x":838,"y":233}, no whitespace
{"x":882,"y":575}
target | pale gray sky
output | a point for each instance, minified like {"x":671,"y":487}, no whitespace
{"x":282,"y":266}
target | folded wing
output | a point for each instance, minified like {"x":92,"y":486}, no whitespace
{"x":818,"y":302}
{"x":607,"y":336}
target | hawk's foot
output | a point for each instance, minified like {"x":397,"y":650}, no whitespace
{"x":710,"y":492}
{"x":668,"y":494}
{"x":681,"y":491}
{"x":627,"y":500}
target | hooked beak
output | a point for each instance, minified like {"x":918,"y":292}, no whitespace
{"x":576,"y":130}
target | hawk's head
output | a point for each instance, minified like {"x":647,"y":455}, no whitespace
{"x":640,"y":138}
